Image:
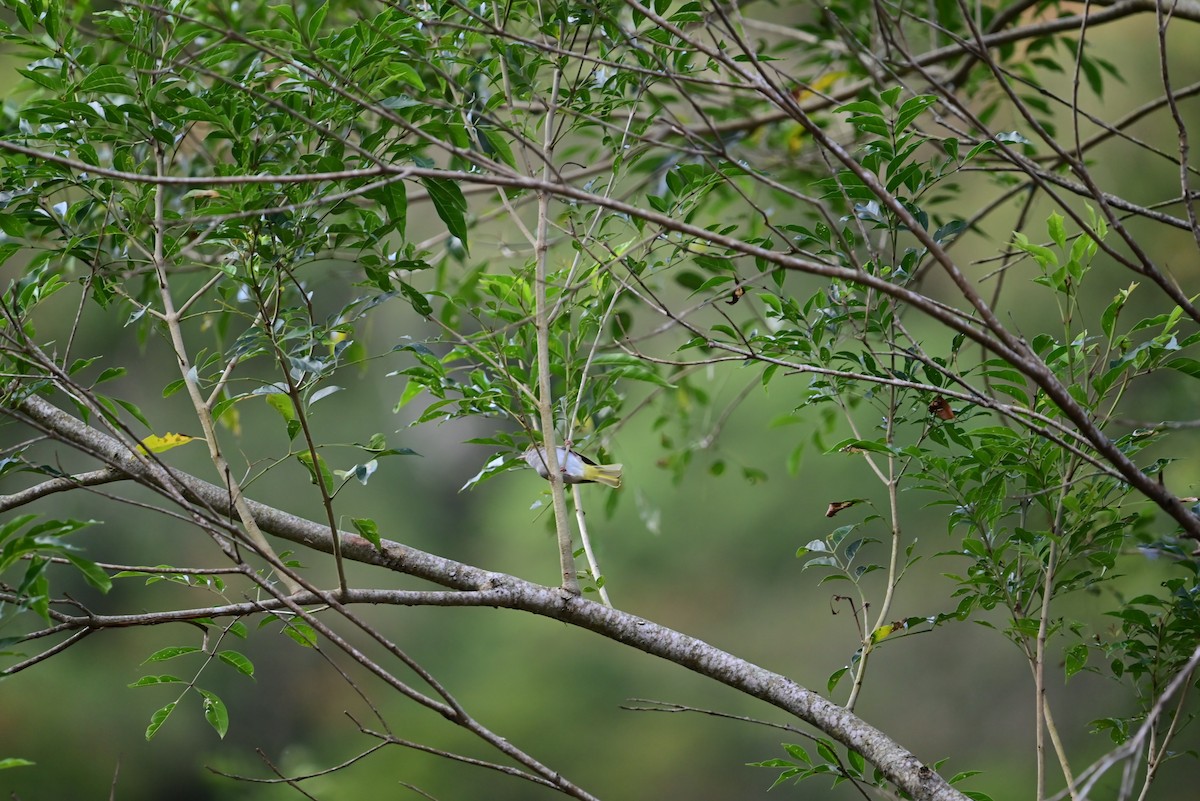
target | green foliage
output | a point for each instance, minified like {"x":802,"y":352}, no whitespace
{"x":38,"y":546}
{"x":691,"y":217}
{"x":802,"y":766}
{"x":213,"y":708}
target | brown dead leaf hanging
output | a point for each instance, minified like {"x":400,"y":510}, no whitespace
{"x":838,"y":506}
{"x":941,"y":408}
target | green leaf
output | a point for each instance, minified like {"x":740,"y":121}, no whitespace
{"x":911,"y":109}
{"x":15,"y":762}
{"x":853,"y":445}
{"x":835,"y":677}
{"x":1185,"y":365}
{"x":394,"y":198}
{"x":326,"y":477}
{"x":237,"y":661}
{"x":1044,"y":256}
{"x":110,"y":373}
{"x":1054,"y":225}
{"x":1108,"y":320}
{"x":282,"y":403}
{"x":949,"y":231}
{"x":982,"y":147}
{"x":797,"y":752}
{"x":405,"y":74}
{"x":8,"y":250}
{"x":25,"y":16}
{"x":173,"y":387}
{"x":419,"y":302}
{"x":1076,"y":659}
{"x":12,"y":226}
{"x":215,"y":712}
{"x":92,"y":573}
{"x":148,"y":681}
{"x":966,"y":774}
{"x":170,"y":653}
{"x":301,"y":632}
{"x":129,"y":407}
{"x":1092,"y":74}
{"x":369,"y":530}
{"x":499,"y":146}
{"x":450,"y":205}
{"x":158,"y":719}
{"x":312,"y":25}
{"x":16,"y":524}
{"x":861,"y":107}
{"x":106,"y":79}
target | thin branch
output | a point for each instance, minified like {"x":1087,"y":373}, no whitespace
{"x":92,"y":478}
{"x":74,"y":639}
{"x":545,"y":404}
{"x":896,"y":763}
{"x":1087,"y":779}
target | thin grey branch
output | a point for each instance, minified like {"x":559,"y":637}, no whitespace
{"x":898,"y":764}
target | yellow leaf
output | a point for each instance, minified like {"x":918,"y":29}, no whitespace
{"x":795,"y":140}
{"x":157,"y":444}
{"x":823,"y":82}
{"x":882,"y":631}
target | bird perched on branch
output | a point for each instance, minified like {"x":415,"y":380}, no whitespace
{"x":575,"y":467}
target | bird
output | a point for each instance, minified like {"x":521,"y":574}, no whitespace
{"x":575,"y":467}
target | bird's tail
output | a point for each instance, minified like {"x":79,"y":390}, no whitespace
{"x":607,"y":474}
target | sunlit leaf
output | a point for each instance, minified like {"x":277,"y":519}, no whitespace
{"x":157,"y":444}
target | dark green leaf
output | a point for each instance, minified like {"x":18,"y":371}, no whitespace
{"x":419,"y":302}
{"x":450,"y":205}
{"x":92,"y":573}
{"x":106,"y":79}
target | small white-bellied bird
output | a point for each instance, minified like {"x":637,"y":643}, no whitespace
{"x":575,"y":467}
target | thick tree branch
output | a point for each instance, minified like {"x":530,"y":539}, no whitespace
{"x":899,"y":765}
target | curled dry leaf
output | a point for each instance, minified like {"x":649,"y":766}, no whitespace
{"x":838,"y":506}
{"x":941,"y":408}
